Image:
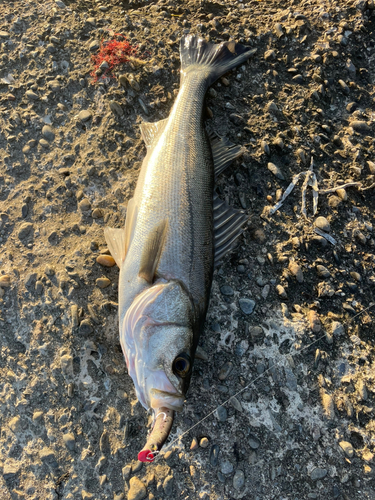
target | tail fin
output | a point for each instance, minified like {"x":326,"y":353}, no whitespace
{"x":199,"y":55}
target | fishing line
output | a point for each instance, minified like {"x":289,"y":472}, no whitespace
{"x":278,"y":363}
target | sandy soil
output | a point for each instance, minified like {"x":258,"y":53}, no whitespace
{"x":295,"y":359}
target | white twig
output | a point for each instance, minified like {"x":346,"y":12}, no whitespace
{"x":344,"y":186}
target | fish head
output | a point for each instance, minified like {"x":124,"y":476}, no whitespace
{"x":158,"y":343}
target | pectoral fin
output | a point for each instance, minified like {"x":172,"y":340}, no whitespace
{"x":150,"y":130}
{"x":152,"y":251}
{"x":228,"y":225}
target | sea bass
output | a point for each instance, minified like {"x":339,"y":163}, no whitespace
{"x":176,"y":229}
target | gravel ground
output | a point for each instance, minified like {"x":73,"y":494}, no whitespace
{"x":289,"y":336}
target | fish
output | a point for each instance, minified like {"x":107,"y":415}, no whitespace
{"x":176,"y":230}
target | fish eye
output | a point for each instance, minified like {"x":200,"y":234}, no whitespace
{"x":181,"y":365}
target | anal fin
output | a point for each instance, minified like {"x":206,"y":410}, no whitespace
{"x":228,"y":225}
{"x":152,"y":251}
{"x":115,"y":239}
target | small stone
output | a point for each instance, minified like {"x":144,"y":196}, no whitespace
{"x":356,"y":276}
{"x":318,"y":473}
{"x":126,"y":471}
{"x":214,"y":455}
{"x":4,"y":280}
{"x":225,"y":370}
{"x":94,"y":45}
{"x":297,"y":79}
{"x":323,"y":271}
{"x":84,"y":115}
{"x":235,"y":403}
{"x":269,"y":55}
{"x":204,"y":442}
{"x":103,"y":282}
{"x":221,"y":414}
{"x":194,"y":444}
{"x":47,"y":456}
{"x":247,"y":305}
{"x":323,"y":224}
{"x":281,"y":292}
{"x":342,"y":194}
{"x":328,"y":405}
{"x":238,"y":479}
{"x":265,"y":148}
{"x":296,"y":270}
{"x":344,"y":87}
{"x":314,"y":321}
{"x":227,"y":290}
{"x":66,"y":365}
{"x":272,"y":107}
{"x":106,"y":260}
{"x":97,"y":213}
{"x":116,"y":108}
{"x":26,"y":231}
{"x":37,"y":416}
{"x":334,"y":201}
{"x":48,"y":133}
{"x":69,"y":441}
{"x":15,"y":424}
{"x":44,"y":143}
{"x":226,"y":467}
{"x":85,"y":328}
{"x":31,"y":95}
{"x":9,"y":471}
{"x":360,"y":126}
{"x":84,"y":205}
{"x":137,"y":490}
{"x":254,"y":442}
{"x":275,"y":170}
{"x":256,"y":333}
{"x":347,"y":448}
{"x":137,"y":466}
{"x":168,"y":485}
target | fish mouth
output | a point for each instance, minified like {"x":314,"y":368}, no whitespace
{"x":163,"y":399}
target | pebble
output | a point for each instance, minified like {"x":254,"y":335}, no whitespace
{"x":360,"y":126}
{"x":265,"y":148}
{"x":66,"y":365}
{"x":296,"y":270}
{"x":247,"y":305}
{"x":314,"y":321}
{"x":106,"y":260}
{"x":15,"y":424}
{"x":84,"y":205}
{"x":344,"y":87}
{"x":97,"y":213}
{"x":116,"y":108}
{"x":275,"y":170}
{"x":238,"y":479}
{"x":69,"y":441}
{"x":84,"y":115}
{"x":194,"y":444}
{"x":31,"y":95}
{"x":235,"y":403}
{"x":5,"y":280}
{"x":85,"y":328}
{"x":44,"y":143}
{"x":322,"y":271}
{"x":342,"y":194}
{"x":226,"y":467}
{"x":323,"y":224}
{"x":269,"y":55}
{"x":137,"y":490}
{"x":356,"y":276}
{"x":221,"y":414}
{"x":48,"y":133}
{"x":94,"y":45}
{"x":103,"y":282}
{"x":318,"y":473}
{"x":227,"y":290}
{"x":347,"y":448}
{"x":337,"y":328}
{"x":204,"y":442}
{"x":281,"y":292}
{"x":256,"y":333}
{"x":225,"y":370}
{"x":168,"y":485}
{"x":254,"y":442}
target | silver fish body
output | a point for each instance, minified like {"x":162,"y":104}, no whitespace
{"x":175,"y":229}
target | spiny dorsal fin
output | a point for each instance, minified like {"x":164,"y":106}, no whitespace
{"x":115,"y":239}
{"x":228,"y":225}
{"x":150,"y":130}
{"x":223,"y":152}
{"x":152,"y":251}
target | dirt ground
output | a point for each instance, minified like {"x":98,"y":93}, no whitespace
{"x":289,"y":339}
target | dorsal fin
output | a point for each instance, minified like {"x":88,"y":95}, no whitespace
{"x":228,"y":225}
{"x":150,"y":130}
{"x":223,"y":152}
{"x":152,"y":251}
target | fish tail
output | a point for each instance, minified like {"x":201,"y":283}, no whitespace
{"x":214,"y":60}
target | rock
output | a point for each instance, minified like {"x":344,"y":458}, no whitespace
{"x":9,"y":471}
{"x":344,"y":87}
{"x":204,"y":442}
{"x":238,"y":479}
{"x":137,"y":490}
{"x":337,"y":328}
{"x":84,"y":115}
{"x":126,"y":471}
{"x":318,"y":473}
{"x":4,"y":280}
{"x":32,"y":96}
{"x":15,"y":424}
{"x":221,"y":414}
{"x":168,"y":485}
{"x":328,"y":404}
{"x":48,"y":133}
{"x":116,"y":108}
{"x":276,"y":171}
{"x":214,"y":455}
{"x":322,"y":224}
{"x":265,"y":148}
{"x":94,"y":45}
{"x":225,"y":370}
{"x":226,"y":467}
{"x":227,"y":290}
{"x":322,"y":271}
{"x":360,"y":126}
{"x":254,"y":442}
{"x":247,"y":305}
{"x":66,"y":365}
{"x":106,"y":260}
{"x":296,"y":270}
{"x":297,"y":79}
{"x":347,"y":448}
{"x":269,"y":55}
{"x":69,"y":441}
{"x":97,"y":213}
{"x":47,"y":456}
{"x":194,"y":444}
{"x":85,"y":328}
{"x":314,"y":321}
{"x":26,"y":231}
